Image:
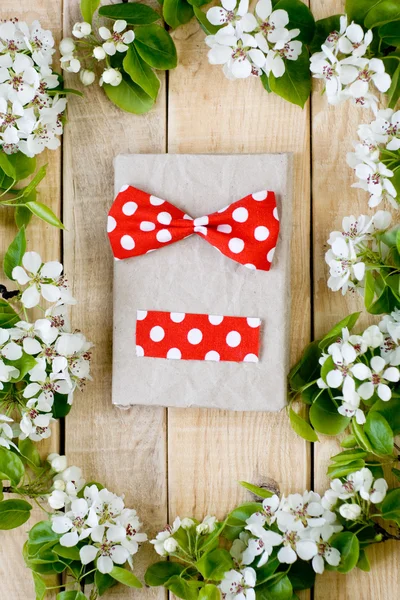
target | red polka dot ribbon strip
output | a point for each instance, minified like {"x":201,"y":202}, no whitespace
{"x":245,"y":231}
{"x":189,"y":336}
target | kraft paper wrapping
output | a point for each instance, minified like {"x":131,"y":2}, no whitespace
{"x":192,"y":276}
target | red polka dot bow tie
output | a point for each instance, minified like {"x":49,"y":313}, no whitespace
{"x":245,"y":231}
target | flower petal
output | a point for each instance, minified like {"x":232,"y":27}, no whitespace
{"x":88,"y":554}
{"x":105,"y":564}
{"x":32,"y":261}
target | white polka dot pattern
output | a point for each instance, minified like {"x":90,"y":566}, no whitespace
{"x":188,"y":336}
{"x":245,"y":231}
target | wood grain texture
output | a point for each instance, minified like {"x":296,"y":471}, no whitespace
{"x":333,"y":130}
{"x":209,"y":451}
{"x":46,"y":240}
{"x":125,"y":450}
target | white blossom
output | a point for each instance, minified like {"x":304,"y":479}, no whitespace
{"x":81,"y":30}
{"x":376,"y":378}
{"x":117,"y":40}
{"x":163,"y":536}
{"x":111,"y":76}
{"x":239,"y":585}
{"x":6,"y":433}
{"x":232,"y":12}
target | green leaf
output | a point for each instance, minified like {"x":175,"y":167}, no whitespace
{"x":209,"y":592}
{"x":11,"y":466}
{"x":88,"y":8}
{"x":177,"y":12}
{"x":14,"y":513}
{"x":212,"y":565}
{"x":385,"y":303}
{"x":22,"y":216}
{"x":133,"y":13}
{"x":390,"y":33}
{"x":295,"y":84}
{"x":393,"y":92}
{"x":349,"y":441}
{"x":159,"y":573}
{"x":23,"y":364}
{"x":323,"y":28}
{"x":396,"y":473}
{"x":342,"y":469}
{"x":29,"y":451}
{"x":181,"y":588}
{"x":66,"y":552}
{"x":32,"y":185}
{"x":45,"y":213}
{"x":349,"y":548}
{"x":103,"y":582}
{"x":280,"y":590}
{"x":265,"y":572}
{"x":254,"y":489}
{"x":363,"y":562}
{"x":41,"y":534}
{"x":205,"y":24}
{"x":15,"y":252}
{"x":391,"y":411}
{"x":349,"y":455}
{"x":8,"y":316}
{"x":126,"y":577}
{"x":379,"y":433}
{"x":140,"y":72}
{"x":307,"y":369}
{"x":265,"y":82}
{"x":357,"y":10}
{"x":238,"y":517}
{"x":7,"y":166}
{"x":381,"y":13}
{"x":40,"y":586}
{"x":360,"y":436}
{"x":129,"y":96}
{"x":61,"y":407}
{"x":23,"y":165}
{"x":390,"y":506}
{"x":336,"y":331}
{"x":300,"y":17}
{"x":301,"y":575}
{"x":156,"y":47}
{"x":74,"y":595}
{"x":302,"y":427}
{"x":325,"y":418}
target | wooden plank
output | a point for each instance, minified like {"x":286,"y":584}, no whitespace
{"x":333,"y":130}
{"x":46,"y":240}
{"x":209,"y":451}
{"x":125,"y":450}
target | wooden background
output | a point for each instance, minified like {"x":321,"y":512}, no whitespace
{"x":187,"y":461}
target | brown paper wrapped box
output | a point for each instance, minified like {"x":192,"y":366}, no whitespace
{"x":192,"y":276}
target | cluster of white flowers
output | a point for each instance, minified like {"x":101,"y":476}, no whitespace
{"x":165,"y":544}
{"x":111,"y":42}
{"x":62,"y":358}
{"x":350,"y":247}
{"x":357,"y":376}
{"x":30,"y":117}
{"x":380,"y":140}
{"x":302,"y":528}
{"x":345,"y":70}
{"x":111,"y":531}
{"x":358,"y":486}
{"x":250,"y":44}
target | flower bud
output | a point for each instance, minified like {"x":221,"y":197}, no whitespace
{"x":350,"y":511}
{"x":202,"y":529}
{"x":170,"y":545}
{"x":57,"y":499}
{"x":58,"y":463}
{"x":81,"y":30}
{"x":99,"y":53}
{"x":59,"y":485}
{"x":67,"y":46}
{"x":187,"y":523}
{"x":87,"y":77}
{"x":111,"y":76}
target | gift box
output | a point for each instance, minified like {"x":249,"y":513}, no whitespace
{"x":191,"y":277}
